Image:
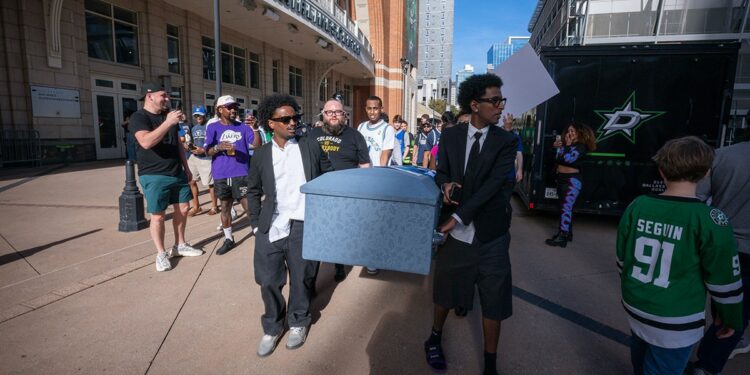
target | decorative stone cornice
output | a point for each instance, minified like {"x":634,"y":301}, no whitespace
{"x":52,"y":15}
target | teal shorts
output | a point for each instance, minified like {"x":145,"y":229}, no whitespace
{"x":161,"y":191}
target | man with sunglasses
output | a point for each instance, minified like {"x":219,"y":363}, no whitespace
{"x":346,"y":148}
{"x":228,"y":143}
{"x":475,"y":159}
{"x":280,"y":168}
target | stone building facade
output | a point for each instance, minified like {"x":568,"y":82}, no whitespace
{"x":71,"y":70}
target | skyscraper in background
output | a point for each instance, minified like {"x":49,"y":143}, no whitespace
{"x":435,"y":48}
{"x":467,"y":72}
{"x":500,"y":52}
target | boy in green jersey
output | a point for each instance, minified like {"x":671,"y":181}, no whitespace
{"x":671,"y":248}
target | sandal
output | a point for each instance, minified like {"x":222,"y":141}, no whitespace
{"x":435,"y":356}
{"x":213,"y":211}
{"x":195,"y":211}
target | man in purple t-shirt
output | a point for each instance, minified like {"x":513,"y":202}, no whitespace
{"x":228,"y":144}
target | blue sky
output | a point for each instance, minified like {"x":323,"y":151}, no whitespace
{"x":480,"y":23}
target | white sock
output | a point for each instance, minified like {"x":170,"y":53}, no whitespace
{"x":228,"y":233}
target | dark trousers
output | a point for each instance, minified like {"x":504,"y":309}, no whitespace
{"x":271,"y":261}
{"x":713,"y":353}
{"x":568,"y":188}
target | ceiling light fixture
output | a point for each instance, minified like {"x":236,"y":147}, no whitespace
{"x":322,"y":42}
{"x":268,"y":12}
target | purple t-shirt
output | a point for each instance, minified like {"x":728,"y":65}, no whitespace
{"x":223,"y":165}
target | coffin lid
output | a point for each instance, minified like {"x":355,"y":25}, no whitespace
{"x":396,"y":184}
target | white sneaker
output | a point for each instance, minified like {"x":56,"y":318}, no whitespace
{"x":297,"y":336}
{"x":233,"y":212}
{"x":162,"y":262}
{"x":267,"y":345}
{"x":185,"y":250}
{"x":742,"y":347}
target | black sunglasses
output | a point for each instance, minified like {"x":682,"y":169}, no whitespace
{"x":495,"y":100}
{"x":286,"y":119}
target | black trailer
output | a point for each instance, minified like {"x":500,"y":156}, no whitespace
{"x":635,"y":98}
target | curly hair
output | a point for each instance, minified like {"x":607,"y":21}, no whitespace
{"x":270,"y":104}
{"x":474,"y":87}
{"x":585,"y":135}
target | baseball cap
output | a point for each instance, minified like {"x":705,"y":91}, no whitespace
{"x":199,"y":110}
{"x":150,"y":87}
{"x":225,"y":100}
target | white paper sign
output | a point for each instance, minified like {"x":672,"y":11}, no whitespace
{"x":54,"y":102}
{"x":526,"y":82}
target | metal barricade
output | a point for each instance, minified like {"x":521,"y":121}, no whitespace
{"x":20,"y":146}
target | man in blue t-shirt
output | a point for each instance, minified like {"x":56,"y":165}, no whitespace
{"x":426,"y":140}
{"x":199,"y":163}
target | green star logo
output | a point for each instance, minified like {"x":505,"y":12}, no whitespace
{"x":624,"y":120}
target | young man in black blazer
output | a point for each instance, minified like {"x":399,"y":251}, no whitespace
{"x":278,"y":170}
{"x":473,"y":162}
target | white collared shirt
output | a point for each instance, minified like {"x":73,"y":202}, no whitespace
{"x":290,"y":176}
{"x":461,"y":232}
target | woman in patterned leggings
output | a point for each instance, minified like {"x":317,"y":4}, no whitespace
{"x":577,"y":140}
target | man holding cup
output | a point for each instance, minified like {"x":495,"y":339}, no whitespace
{"x":228,"y":143}
{"x":162,"y":171}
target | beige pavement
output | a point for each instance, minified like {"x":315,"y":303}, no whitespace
{"x":77,"y":296}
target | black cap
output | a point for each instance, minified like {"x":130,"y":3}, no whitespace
{"x":150,"y":87}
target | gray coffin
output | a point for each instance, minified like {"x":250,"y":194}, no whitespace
{"x":376,"y":217}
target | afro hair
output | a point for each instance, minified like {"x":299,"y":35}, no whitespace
{"x":474,"y":87}
{"x":270,"y":104}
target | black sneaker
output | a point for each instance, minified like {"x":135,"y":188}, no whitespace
{"x":340,"y":274}
{"x":228,"y":245}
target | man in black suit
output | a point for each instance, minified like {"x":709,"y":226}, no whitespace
{"x":473,"y":162}
{"x":278,"y":170}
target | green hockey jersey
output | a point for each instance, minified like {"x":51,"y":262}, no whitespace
{"x":670,"y":250}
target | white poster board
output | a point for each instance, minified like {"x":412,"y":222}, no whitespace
{"x":55,"y":102}
{"x":526,"y":82}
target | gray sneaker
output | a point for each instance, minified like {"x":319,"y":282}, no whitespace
{"x":742,"y":347}
{"x":162,"y":262}
{"x":297,"y":336}
{"x":185,"y":250}
{"x":267,"y":344}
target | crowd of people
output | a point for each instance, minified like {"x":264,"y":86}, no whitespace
{"x":671,"y":248}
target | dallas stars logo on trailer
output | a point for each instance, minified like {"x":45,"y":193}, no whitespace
{"x":624,"y":120}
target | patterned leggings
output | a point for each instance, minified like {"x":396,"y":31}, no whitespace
{"x":568,"y":187}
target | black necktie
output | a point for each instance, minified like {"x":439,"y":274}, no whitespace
{"x":473,"y":153}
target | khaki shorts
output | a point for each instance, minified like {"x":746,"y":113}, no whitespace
{"x":201,"y":170}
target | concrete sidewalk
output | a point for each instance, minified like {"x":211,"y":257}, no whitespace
{"x":77,"y":296}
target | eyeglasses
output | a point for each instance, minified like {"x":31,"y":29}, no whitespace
{"x":287,"y":119}
{"x":337,"y":113}
{"x":495,"y":100}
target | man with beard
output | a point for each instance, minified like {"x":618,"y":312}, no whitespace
{"x":280,"y":168}
{"x":475,"y":159}
{"x":346,"y":148}
{"x":162,"y":171}
{"x":228,"y":143}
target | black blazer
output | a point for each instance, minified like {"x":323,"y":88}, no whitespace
{"x":484,"y":201}
{"x":262,"y":181}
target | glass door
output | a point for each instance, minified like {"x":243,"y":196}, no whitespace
{"x":108,"y":132}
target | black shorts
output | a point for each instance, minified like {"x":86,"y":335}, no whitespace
{"x":231,"y":188}
{"x":460,"y":267}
